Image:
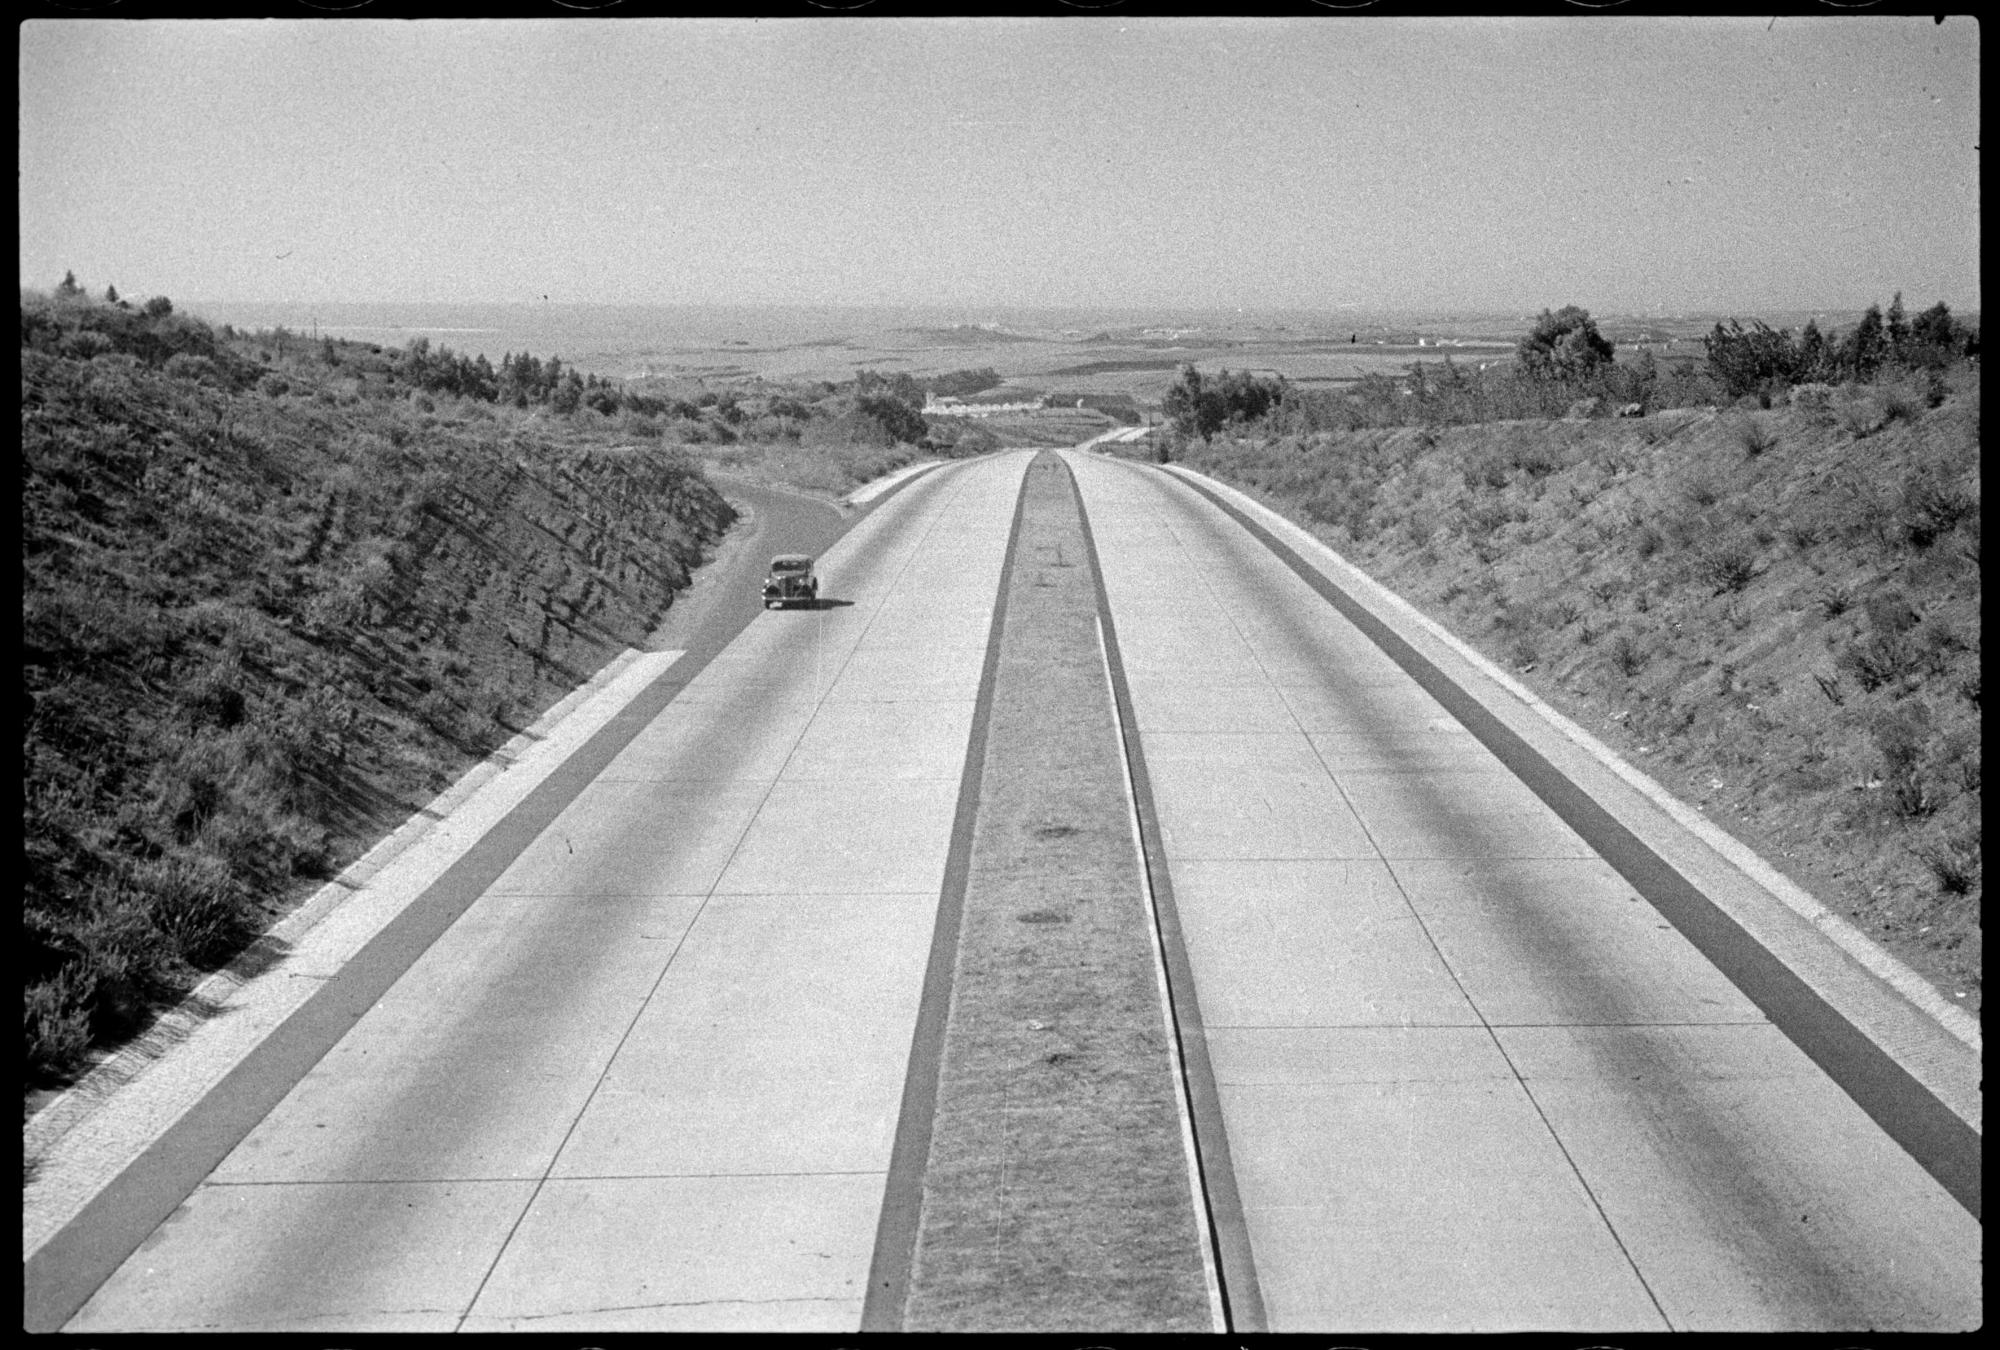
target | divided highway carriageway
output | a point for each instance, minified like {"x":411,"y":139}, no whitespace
{"x":1104,"y":912}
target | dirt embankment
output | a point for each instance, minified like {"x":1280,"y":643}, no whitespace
{"x":1774,"y":613}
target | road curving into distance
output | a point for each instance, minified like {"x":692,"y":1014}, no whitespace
{"x":1079,"y":864}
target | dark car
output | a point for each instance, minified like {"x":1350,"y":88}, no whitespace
{"x":791,"y":581}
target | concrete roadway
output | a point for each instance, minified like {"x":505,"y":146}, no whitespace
{"x":651,"y":1078}
{"x":1469,"y":1081}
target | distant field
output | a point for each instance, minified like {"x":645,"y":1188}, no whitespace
{"x":1061,"y":353}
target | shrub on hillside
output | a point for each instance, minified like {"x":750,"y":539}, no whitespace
{"x":1564,"y":345}
{"x":1727,"y":566}
{"x":1932,"y":506}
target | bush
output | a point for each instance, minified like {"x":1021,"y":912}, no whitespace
{"x":1835,"y":600}
{"x":1879,"y":659}
{"x":195,"y":903}
{"x":1900,"y":736}
{"x":56,"y":1019}
{"x":1728,"y":566}
{"x":1754,"y":437}
{"x":1931,"y":507}
{"x":1625,"y":655}
{"x":1953,"y":863}
{"x":1861,"y":418}
{"x":1899,"y":406}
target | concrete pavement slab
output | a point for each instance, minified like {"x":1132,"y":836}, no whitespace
{"x":757,"y":1053}
{"x":1414,"y":1188}
{"x":1460,"y":814}
{"x":406,"y":1256}
{"x":695,"y":741}
{"x":859,"y":740}
{"x":1249,"y":796}
{"x":910,"y":626}
{"x":1336,"y":706}
{"x":1564,"y":941}
{"x":761,"y":960}
{"x":832,"y":842}
{"x":1310,"y":943}
{"x":637,"y":838}
{"x":1441,"y":745}
{"x":1169,"y":704}
{"x":922,"y":674}
{"x":1751,"y":1192}
{"x":786,"y":1253}
{"x":1199,"y":653}
{"x":725,"y":1100}
{"x":1322,"y":653}
{"x":468,"y":1066}
{"x":753,"y":665}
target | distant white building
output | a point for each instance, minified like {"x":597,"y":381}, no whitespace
{"x":957,"y":407}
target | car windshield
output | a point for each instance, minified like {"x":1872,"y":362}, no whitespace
{"x":790,"y":564}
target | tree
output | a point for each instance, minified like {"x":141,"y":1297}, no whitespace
{"x":1866,"y":347}
{"x":1898,"y":329}
{"x":1759,"y":361}
{"x":1196,"y":408}
{"x":1201,"y":407}
{"x":1563,"y":345}
{"x":68,"y":288}
{"x":569,"y":393}
{"x":159,"y":307}
{"x":1645,"y":374}
{"x":1935,"y":336}
{"x":110,"y":295}
{"x":901,"y":421}
{"x":901,"y":386}
{"x":1813,"y":355}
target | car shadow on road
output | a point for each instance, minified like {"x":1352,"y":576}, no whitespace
{"x":822,"y":602}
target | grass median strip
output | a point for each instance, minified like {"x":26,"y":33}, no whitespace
{"x":1056,"y":1194}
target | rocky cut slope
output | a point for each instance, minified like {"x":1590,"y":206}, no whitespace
{"x":267,"y":611}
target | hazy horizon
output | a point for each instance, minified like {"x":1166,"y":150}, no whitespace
{"x":1385,"y":167}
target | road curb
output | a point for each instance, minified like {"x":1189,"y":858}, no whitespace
{"x":888,"y":482}
{"x":1911,"y":1061}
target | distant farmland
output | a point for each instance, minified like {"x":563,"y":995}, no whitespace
{"x":1105,"y":367}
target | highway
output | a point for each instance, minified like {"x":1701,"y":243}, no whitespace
{"x":778,"y":1019}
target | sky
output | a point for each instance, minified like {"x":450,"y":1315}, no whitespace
{"x":1626,"y":164}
